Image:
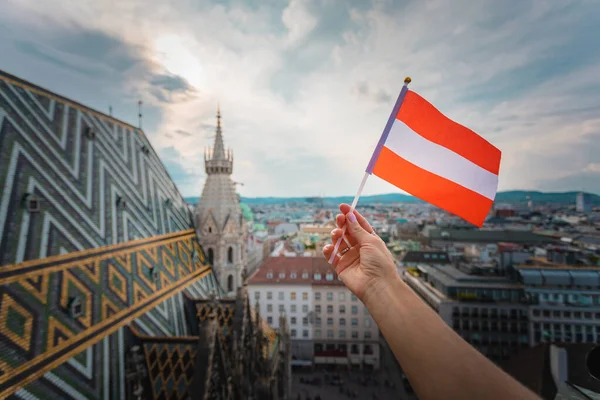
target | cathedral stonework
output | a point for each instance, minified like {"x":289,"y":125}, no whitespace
{"x":218,"y":217}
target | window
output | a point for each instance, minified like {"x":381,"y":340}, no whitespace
{"x":305,"y":308}
{"x":342,"y":296}
{"x":367,"y":349}
{"x":304,"y":295}
{"x":230,"y":255}
{"x":230,"y":283}
{"x":269,"y":295}
{"x":293,"y":275}
{"x":281,"y":308}
{"x":354,"y":310}
{"x":293,"y":296}
{"x":269,"y":307}
{"x":305,"y":275}
{"x":354,"y":349}
{"x":366,"y":311}
{"x":367,"y":322}
{"x":342,"y":322}
{"x":282,"y":275}
{"x":330,"y":334}
{"x":293,"y":333}
{"x":317,"y":295}
{"x":280,"y":295}
{"x":293,"y":308}
{"x":211,"y":256}
{"x":293,"y":320}
{"x":329,"y":276}
{"x":318,"y":333}
{"x":318,"y":308}
{"x":269,"y":275}
{"x":353,"y":297}
{"x":317,"y":321}
{"x":304,"y":333}
{"x":305,"y":321}
{"x":354,"y":335}
{"x":342,"y":334}
{"x":329,"y":309}
{"x":354,"y":321}
{"x":329,"y":321}
{"x":257,"y":295}
{"x":317,"y":277}
{"x":269,"y":320}
{"x":367,"y":335}
{"x":329,"y":295}
{"x":342,"y":309}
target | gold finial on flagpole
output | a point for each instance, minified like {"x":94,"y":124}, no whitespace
{"x":407,"y":80}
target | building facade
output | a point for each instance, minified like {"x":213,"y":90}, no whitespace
{"x":564,"y":302}
{"x":328,"y":324}
{"x":218,"y":217}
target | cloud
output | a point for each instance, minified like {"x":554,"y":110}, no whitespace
{"x":298,"y":20}
{"x":306,"y":87}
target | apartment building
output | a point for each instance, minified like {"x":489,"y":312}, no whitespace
{"x":344,"y":332}
{"x":328,"y":324}
{"x":564,"y":302}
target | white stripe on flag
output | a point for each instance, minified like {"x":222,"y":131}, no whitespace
{"x":439,"y":160}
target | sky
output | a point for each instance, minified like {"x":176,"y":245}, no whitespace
{"x":305,"y":87}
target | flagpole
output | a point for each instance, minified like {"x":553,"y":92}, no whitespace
{"x":371,"y":164}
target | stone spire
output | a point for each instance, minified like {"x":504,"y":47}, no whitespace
{"x":218,"y":217}
{"x":218,"y":152}
{"x":217,"y":160}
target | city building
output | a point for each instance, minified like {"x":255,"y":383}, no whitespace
{"x":489,"y":312}
{"x":219,"y":221}
{"x":564,"y":302}
{"x":328,"y":324}
{"x":583,"y":203}
{"x":101,"y":270}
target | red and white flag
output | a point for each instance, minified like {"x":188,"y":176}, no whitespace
{"x":437,"y":160}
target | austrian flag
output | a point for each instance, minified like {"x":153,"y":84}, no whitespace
{"x":437,"y":160}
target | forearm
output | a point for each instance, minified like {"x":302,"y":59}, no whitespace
{"x":438,"y":363}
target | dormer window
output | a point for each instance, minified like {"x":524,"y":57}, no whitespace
{"x":269,"y":275}
{"x":329,"y":277}
{"x":293,"y":275}
{"x":317,"y":277}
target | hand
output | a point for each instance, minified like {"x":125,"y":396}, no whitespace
{"x":367,"y":265}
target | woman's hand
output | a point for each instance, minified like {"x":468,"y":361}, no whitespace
{"x":366,"y":266}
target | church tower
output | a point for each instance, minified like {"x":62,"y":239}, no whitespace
{"x":218,"y":217}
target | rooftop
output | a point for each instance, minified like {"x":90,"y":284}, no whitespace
{"x":427,"y":257}
{"x":452,"y":277}
{"x":295,"y":270}
{"x":487,"y":236}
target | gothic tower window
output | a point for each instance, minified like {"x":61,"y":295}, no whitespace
{"x":230,"y":282}
{"x":230,"y":255}
{"x":211,"y":255}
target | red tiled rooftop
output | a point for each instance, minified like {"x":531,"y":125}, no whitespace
{"x":297,"y":265}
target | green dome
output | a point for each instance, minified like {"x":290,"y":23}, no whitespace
{"x":247,"y":212}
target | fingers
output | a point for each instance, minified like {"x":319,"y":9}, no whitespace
{"x":342,"y":262}
{"x":345,"y":209}
{"x":356,"y":229}
{"x":335,"y":235}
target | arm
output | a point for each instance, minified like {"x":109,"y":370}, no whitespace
{"x":438,"y":362}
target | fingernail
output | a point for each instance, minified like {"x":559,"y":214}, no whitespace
{"x":352,"y":217}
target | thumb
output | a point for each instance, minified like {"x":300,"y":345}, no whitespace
{"x":355,"y":229}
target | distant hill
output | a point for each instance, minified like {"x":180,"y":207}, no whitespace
{"x":513,"y":197}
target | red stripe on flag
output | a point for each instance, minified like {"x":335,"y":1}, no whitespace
{"x":429,"y":122}
{"x":432,"y":188}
